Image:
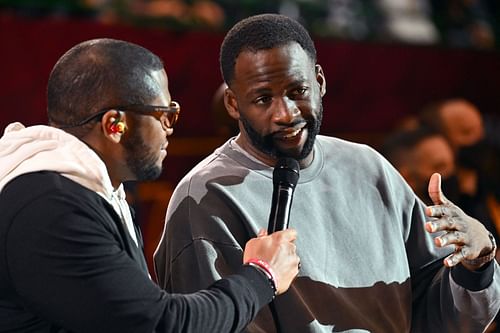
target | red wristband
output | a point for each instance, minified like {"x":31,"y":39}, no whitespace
{"x":266,"y":268}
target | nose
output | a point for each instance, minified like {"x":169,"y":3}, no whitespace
{"x":285,"y":110}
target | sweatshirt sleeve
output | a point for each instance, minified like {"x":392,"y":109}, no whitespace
{"x":443,"y":299}
{"x":448,"y":300}
{"x":68,"y":267}
{"x":443,"y":305}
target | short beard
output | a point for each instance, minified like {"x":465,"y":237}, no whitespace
{"x":140,"y":163}
{"x":265,"y":144}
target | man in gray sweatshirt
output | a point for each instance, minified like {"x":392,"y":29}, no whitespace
{"x":370,"y":261}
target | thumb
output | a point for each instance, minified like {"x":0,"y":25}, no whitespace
{"x":435,"y":192}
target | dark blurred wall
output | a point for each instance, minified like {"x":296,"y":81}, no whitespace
{"x":370,"y":87}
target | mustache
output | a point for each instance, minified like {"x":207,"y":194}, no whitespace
{"x":295,"y":125}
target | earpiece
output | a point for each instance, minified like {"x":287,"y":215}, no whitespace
{"x":117,"y":126}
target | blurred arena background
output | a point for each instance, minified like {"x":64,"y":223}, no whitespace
{"x":384,"y":61}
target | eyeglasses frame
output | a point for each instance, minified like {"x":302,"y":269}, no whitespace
{"x":174,"y":108}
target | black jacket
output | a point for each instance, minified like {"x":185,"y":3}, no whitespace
{"x":67,"y":264}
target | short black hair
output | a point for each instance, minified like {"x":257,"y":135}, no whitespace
{"x":262,"y":32}
{"x":97,"y":74}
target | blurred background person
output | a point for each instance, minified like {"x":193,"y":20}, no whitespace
{"x":477,"y":157}
{"x":419,"y":153}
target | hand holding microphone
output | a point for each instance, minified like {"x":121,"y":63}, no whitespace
{"x":276,"y":247}
{"x":278,"y":251}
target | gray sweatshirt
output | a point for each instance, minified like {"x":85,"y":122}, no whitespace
{"x":368,"y":265}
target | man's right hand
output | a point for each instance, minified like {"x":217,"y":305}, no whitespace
{"x":279,"y":251}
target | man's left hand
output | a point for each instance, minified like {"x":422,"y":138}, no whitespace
{"x":466,"y":234}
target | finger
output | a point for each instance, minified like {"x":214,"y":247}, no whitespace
{"x":453,"y":237}
{"x":438,"y":211}
{"x":445,"y":223}
{"x":455,"y":258}
{"x":435,"y":192}
{"x":288,"y":235}
{"x":262,"y":232}
{"x":292,"y":248}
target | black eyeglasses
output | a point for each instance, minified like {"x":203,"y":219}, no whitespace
{"x":168,"y":115}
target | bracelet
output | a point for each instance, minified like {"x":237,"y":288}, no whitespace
{"x":487,"y":257}
{"x":265,"y":268}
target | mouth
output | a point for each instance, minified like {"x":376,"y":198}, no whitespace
{"x":290,"y":133}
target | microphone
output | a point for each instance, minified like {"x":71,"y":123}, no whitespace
{"x":285,"y":178}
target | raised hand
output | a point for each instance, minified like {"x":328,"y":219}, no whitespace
{"x":467,"y":235}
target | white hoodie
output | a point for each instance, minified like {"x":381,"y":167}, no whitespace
{"x":45,"y":148}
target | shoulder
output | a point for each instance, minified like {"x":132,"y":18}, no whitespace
{"x":358,"y":161}
{"x":33,"y":185}
{"x":223,"y":164}
{"x":340,"y":149}
{"x":46,"y":193}
{"x":47,"y":207}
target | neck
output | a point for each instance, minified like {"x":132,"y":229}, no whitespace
{"x":110,"y":161}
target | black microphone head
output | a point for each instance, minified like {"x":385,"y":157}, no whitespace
{"x":286,"y":171}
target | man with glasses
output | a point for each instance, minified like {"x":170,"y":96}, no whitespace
{"x":71,"y":256}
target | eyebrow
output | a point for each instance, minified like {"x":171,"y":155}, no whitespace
{"x":258,"y":91}
{"x":263,"y":90}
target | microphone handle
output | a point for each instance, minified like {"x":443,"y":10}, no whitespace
{"x":280,"y":210}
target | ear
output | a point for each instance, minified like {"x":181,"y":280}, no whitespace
{"x":113,"y":125}
{"x":231,"y":104}
{"x":320,"y":77}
